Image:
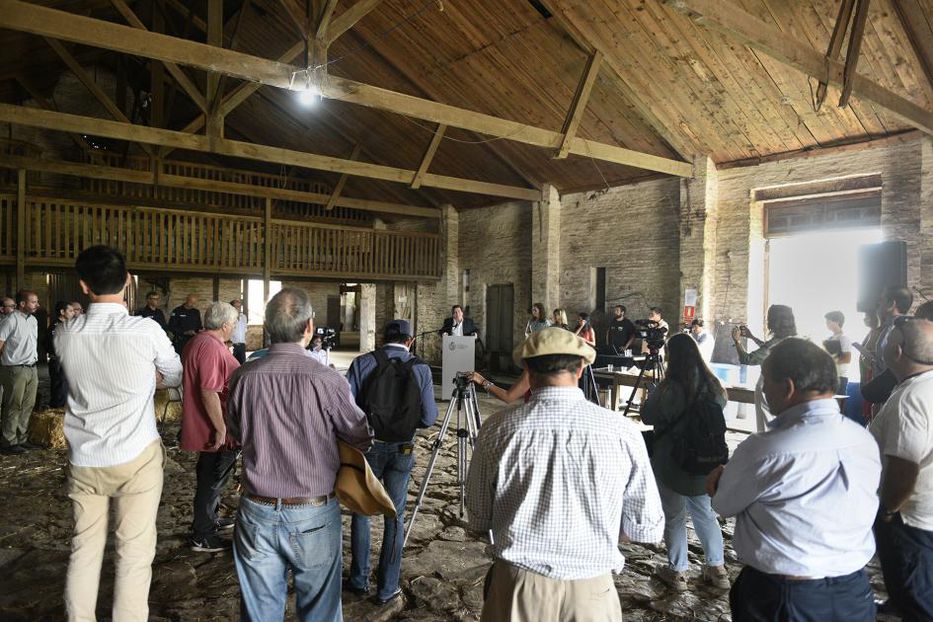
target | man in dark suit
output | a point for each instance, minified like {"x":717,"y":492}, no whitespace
{"x":458,"y":325}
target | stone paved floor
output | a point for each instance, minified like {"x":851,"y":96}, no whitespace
{"x":443,"y":566}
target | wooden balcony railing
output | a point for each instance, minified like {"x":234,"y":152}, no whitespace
{"x":162,"y":239}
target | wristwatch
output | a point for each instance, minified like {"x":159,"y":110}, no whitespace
{"x":487,"y":384}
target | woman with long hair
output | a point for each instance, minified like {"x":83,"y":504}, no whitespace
{"x":584,"y":329}
{"x":687,"y":381}
{"x":781,"y":325}
{"x":538,"y":319}
{"x":559,"y":319}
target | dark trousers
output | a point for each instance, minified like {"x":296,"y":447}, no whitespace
{"x":239,"y":352}
{"x":760,"y":597}
{"x":213,"y":472}
{"x":906,"y":556}
{"x":842,"y":383}
{"x":58,"y":384}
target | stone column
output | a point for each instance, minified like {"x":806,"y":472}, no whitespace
{"x":367,"y":317}
{"x":545,"y":249}
{"x":926,"y":216}
{"x":698,"y":215}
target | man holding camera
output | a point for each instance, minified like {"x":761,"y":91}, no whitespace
{"x":395,"y":390}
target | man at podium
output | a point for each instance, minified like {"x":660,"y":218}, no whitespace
{"x":457,"y":325}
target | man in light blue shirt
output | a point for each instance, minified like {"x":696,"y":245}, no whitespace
{"x":804,"y":494}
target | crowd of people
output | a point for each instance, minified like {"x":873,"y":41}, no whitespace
{"x":814,"y":494}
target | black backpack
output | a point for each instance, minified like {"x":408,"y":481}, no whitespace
{"x":391,"y":398}
{"x":700,"y":442}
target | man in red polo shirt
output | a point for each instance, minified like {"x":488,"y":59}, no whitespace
{"x":208,"y":366}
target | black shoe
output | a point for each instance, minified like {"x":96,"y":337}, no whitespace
{"x":30,"y":446}
{"x":208,"y":544}
{"x":224,"y":524}
{"x":359,"y":591}
{"x":386,"y":601}
{"x":886,"y":607}
{"x":13,"y":450}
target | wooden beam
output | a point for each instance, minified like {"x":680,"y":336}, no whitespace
{"x":20,"y":228}
{"x":332,"y":199}
{"x":912,"y":17}
{"x":428,"y":156}
{"x":176,"y":72}
{"x":728,"y":18}
{"x":58,"y":121}
{"x":267,"y":253}
{"x":113,"y":173}
{"x":298,"y":16}
{"x":578,"y":105}
{"x":835,"y":44}
{"x":21,"y":16}
{"x":853,"y":51}
{"x":215,"y":37}
{"x":44,"y":103}
{"x":324,"y":22}
{"x":346,"y":20}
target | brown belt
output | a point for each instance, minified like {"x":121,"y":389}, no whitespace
{"x":317,"y":501}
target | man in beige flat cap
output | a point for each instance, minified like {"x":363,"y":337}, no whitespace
{"x":559,"y":481}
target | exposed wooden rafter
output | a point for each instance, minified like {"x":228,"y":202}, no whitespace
{"x":578,"y":105}
{"x":854,"y":50}
{"x":338,"y":189}
{"x":21,"y":16}
{"x":58,"y":121}
{"x":176,"y":72}
{"x":113,"y":173}
{"x":79,"y":140}
{"x":912,"y":18}
{"x":835,"y":45}
{"x":731,"y":20}
{"x":428,"y":156}
{"x":346,"y":20}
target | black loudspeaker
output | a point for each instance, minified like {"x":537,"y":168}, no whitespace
{"x":880,"y":265}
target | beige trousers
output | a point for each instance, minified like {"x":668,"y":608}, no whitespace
{"x":136,"y":488}
{"x":516,"y":595}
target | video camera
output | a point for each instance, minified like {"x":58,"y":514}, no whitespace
{"x":327,"y":335}
{"x":462,"y":380}
{"x":651,"y":333}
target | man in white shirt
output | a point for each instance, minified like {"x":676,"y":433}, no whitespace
{"x":19,"y":334}
{"x":839,"y":347}
{"x":559,"y":481}
{"x":113,"y":362}
{"x":7,"y":306}
{"x":904,"y":529}
{"x":457,"y":324}
{"x":704,"y":340}
{"x":804,"y":497}
{"x":238,"y":338}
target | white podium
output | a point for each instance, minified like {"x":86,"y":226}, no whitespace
{"x":457,"y":356}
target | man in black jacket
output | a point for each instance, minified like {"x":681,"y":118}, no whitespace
{"x":185,"y":322}
{"x":458,"y":325}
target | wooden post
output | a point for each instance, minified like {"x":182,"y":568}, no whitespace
{"x":21,"y":229}
{"x":267,"y":253}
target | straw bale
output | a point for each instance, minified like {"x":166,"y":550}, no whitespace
{"x":172,"y":410}
{"x":46,"y":428}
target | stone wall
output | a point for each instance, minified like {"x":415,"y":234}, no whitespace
{"x":632,"y":231}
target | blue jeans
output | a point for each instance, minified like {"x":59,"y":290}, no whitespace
{"x":675,"y":528}
{"x":759,"y":597}
{"x":906,"y":556}
{"x":271,"y":540}
{"x":393,"y":467}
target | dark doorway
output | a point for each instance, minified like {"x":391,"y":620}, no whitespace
{"x":500,"y":314}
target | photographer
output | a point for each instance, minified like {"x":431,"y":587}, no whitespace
{"x":521,"y":388}
{"x":317,"y":351}
{"x":584,"y":330}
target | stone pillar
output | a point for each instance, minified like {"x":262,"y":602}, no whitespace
{"x":450,"y":232}
{"x":698,"y":214}
{"x":926,"y":216}
{"x":545,"y":249}
{"x":367,"y":317}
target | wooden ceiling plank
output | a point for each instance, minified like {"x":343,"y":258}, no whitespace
{"x":914,"y":22}
{"x":346,"y":20}
{"x":335,"y":194}
{"x":428,"y":156}
{"x":769,"y":40}
{"x":676,"y":141}
{"x":180,"y":76}
{"x":298,"y":16}
{"x":578,"y":105}
{"x":18,"y":15}
{"x":62,"y":122}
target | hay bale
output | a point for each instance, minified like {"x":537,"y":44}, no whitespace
{"x":46,"y":428}
{"x":163,"y":404}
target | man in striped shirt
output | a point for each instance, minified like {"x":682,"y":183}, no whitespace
{"x":288,"y":411}
{"x":113,"y":362}
{"x":559,"y":481}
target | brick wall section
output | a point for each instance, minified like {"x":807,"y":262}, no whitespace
{"x":698,"y":218}
{"x":433,"y":298}
{"x":545,"y":249}
{"x":926,"y":207}
{"x":633,"y":232}
{"x":496,"y":247}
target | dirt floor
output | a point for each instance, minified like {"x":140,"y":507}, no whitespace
{"x":443,"y":565}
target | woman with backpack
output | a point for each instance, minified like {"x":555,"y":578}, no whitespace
{"x":689,"y":390}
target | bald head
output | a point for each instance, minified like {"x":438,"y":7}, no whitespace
{"x":8,"y":306}
{"x":909,"y":348}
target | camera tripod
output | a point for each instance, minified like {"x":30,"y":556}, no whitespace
{"x":463,"y":400}
{"x":653,"y":362}
{"x":589,"y":386}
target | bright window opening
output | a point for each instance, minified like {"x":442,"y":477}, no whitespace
{"x":255,"y":301}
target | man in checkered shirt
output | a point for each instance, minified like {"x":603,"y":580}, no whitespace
{"x":559,"y":481}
